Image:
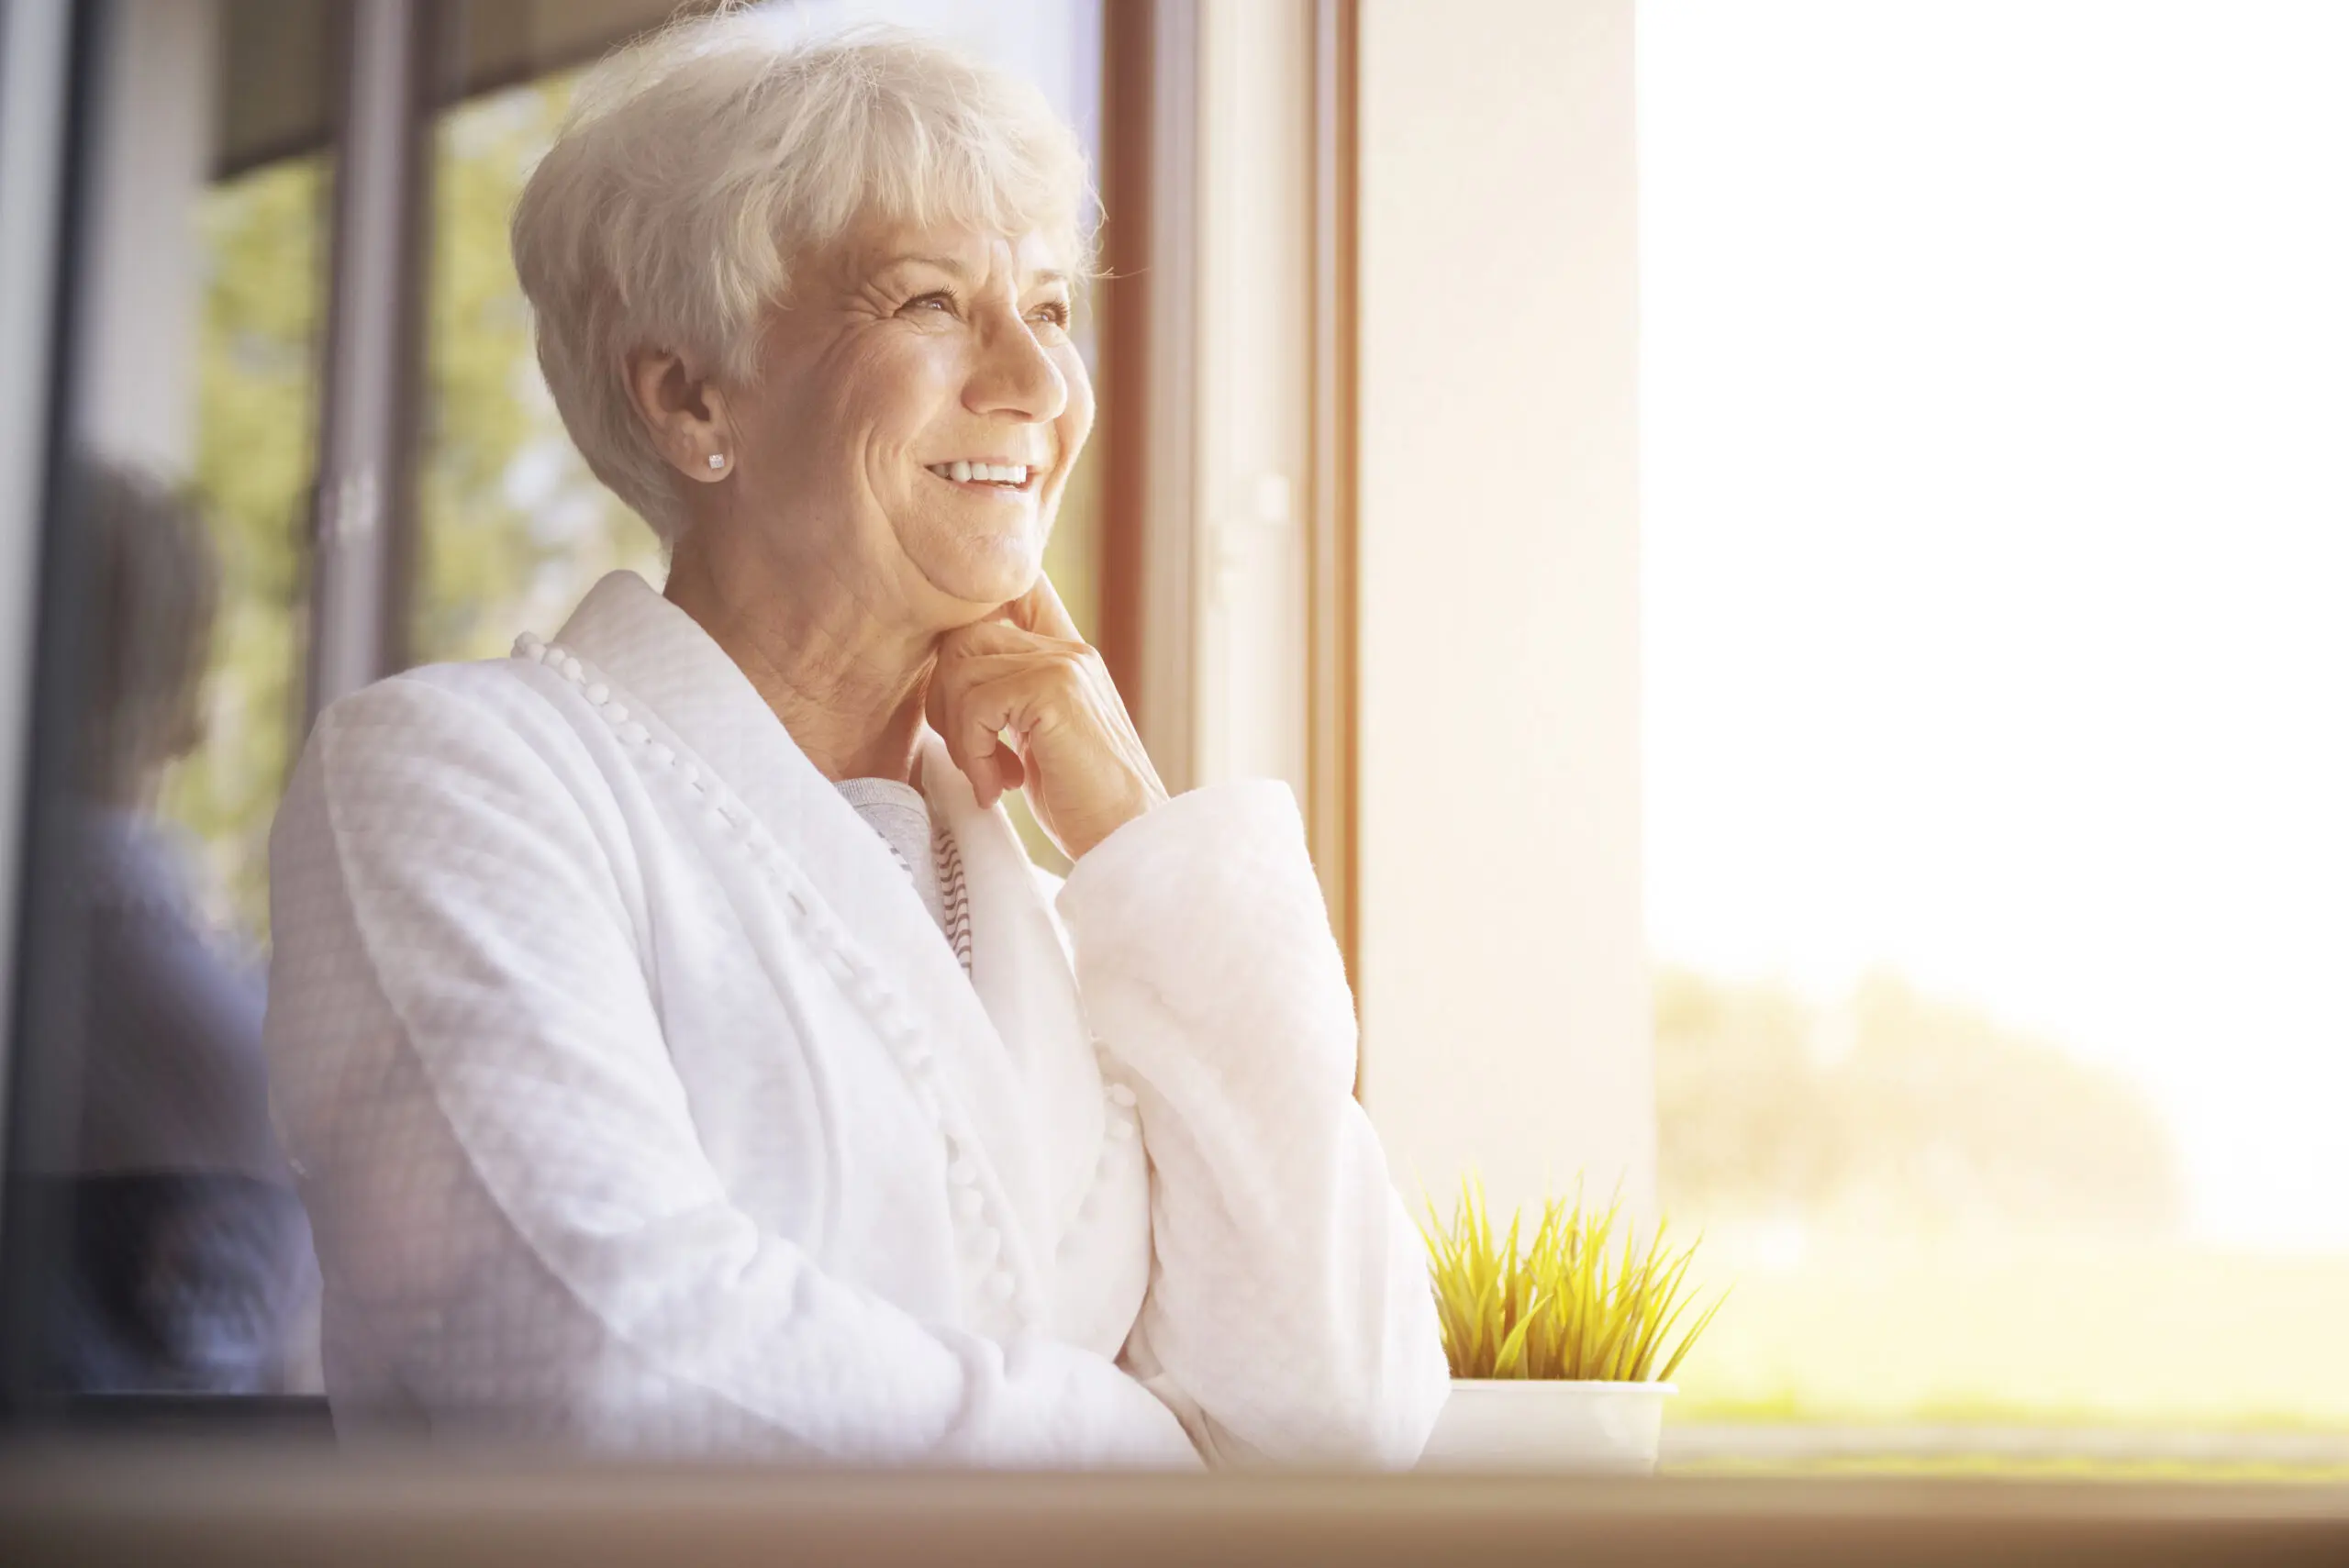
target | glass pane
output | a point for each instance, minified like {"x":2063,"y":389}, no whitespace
{"x":163,"y":1251}
{"x":513,"y":528}
{"x":263,"y":243}
{"x":1994,"y":383}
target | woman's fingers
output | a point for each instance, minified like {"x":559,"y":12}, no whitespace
{"x":974,"y":699}
{"x":989,"y":637}
{"x":974,"y":755}
{"x":1072,"y":745}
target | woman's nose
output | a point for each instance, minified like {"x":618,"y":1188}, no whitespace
{"x":1014,"y":376}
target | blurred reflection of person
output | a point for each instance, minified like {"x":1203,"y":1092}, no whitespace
{"x":681,"y":1053}
{"x":190,"y":1268}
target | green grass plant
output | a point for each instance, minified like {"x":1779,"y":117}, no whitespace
{"x":1566,"y":1305}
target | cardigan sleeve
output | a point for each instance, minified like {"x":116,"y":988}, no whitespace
{"x":515,"y":1215}
{"x":1289,"y":1313}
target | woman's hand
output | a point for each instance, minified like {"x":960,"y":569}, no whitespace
{"x":1072,"y":743}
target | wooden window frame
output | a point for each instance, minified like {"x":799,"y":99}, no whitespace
{"x":1149,"y":189}
{"x":1332,"y":763}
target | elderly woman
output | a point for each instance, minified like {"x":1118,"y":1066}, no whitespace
{"x":677,"y":1049}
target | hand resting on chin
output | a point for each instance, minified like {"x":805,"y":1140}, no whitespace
{"x":1072,"y":744}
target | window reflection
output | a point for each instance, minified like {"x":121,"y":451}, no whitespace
{"x":162,"y":1250}
{"x":187,"y":1266}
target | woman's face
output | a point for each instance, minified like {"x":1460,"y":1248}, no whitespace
{"x":918,"y":408}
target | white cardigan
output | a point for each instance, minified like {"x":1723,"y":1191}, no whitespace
{"x":639,"y":1104}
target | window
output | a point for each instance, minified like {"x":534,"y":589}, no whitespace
{"x":154,"y":1247}
{"x":1993,"y":374}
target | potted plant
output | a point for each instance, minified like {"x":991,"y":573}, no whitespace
{"x":1556,"y":1345}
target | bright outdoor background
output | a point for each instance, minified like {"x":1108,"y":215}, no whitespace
{"x":1996,"y":525}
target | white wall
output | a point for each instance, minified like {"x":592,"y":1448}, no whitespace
{"x":1505,"y":997}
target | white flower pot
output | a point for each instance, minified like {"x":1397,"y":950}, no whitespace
{"x":1610,"y":1429}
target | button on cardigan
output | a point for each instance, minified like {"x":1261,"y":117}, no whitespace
{"x":640,"y":1108}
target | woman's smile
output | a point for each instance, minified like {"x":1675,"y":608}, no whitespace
{"x":990,"y":475}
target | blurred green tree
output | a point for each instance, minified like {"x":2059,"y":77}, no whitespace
{"x":255,"y":442}
{"x":1894,"y":1110}
{"x":512,"y":528}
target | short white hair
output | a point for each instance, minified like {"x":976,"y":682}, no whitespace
{"x":696,"y":170}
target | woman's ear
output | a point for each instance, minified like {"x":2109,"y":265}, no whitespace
{"x":684,"y":411}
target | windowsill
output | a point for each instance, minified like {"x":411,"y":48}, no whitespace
{"x":61,"y":1502}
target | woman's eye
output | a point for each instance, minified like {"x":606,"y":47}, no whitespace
{"x":1054,"y":311}
{"x":940,"y":301}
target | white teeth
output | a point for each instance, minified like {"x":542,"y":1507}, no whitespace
{"x":964,"y":472}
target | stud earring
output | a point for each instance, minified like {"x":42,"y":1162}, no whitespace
{"x":718,"y":460}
